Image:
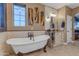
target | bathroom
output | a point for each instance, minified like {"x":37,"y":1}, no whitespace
{"x":13,"y":27}
{"x":21,"y":22}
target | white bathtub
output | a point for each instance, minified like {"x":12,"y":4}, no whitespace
{"x":25,"y":45}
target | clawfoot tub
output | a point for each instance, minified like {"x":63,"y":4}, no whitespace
{"x":25,"y":45}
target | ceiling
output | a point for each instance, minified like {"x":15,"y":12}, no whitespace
{"x":59,"y":5}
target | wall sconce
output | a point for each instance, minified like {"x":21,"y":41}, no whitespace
{"x":48,"y":19}
{"x":52,"y":15}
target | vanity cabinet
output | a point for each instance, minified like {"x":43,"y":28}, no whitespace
{"x":2,"y":17}
{"x":51,"y":40}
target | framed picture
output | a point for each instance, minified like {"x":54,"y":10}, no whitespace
{"x":36,"y":15}
{"x":42,"y":18}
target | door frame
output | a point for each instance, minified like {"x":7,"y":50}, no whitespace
{"x":72,"y":27}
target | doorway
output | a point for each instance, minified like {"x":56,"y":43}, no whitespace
{"x":76,"y":26}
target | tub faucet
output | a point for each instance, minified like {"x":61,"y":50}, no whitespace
{"x":31,"y":36}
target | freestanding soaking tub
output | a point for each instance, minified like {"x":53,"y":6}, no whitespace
{"x":25,"y":45}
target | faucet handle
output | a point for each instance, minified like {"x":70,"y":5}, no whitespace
{"x":28,"y":34}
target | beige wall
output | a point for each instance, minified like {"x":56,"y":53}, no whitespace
{"x":75,"y":10}
{"x":61,"y":16}
{"x":10,"y":18}
{"x":69,"y":11}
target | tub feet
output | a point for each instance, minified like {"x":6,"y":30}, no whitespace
{"x":19,"y":54}
{"x":44,"y":49}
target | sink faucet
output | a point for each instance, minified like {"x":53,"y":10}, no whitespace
{"x":31,"y":35}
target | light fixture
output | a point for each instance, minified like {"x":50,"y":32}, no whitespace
{"x":52,"y":15}
{"x":48,"y":19}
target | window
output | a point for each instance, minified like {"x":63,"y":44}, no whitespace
{"x":19,"y":14}
{"x":2,"y":16}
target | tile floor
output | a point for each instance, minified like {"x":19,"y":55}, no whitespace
{"x":62,"y":50}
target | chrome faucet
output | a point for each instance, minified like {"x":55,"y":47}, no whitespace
{"x":31,"y":35}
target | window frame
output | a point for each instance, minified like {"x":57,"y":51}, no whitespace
{"x":19,"y":4}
